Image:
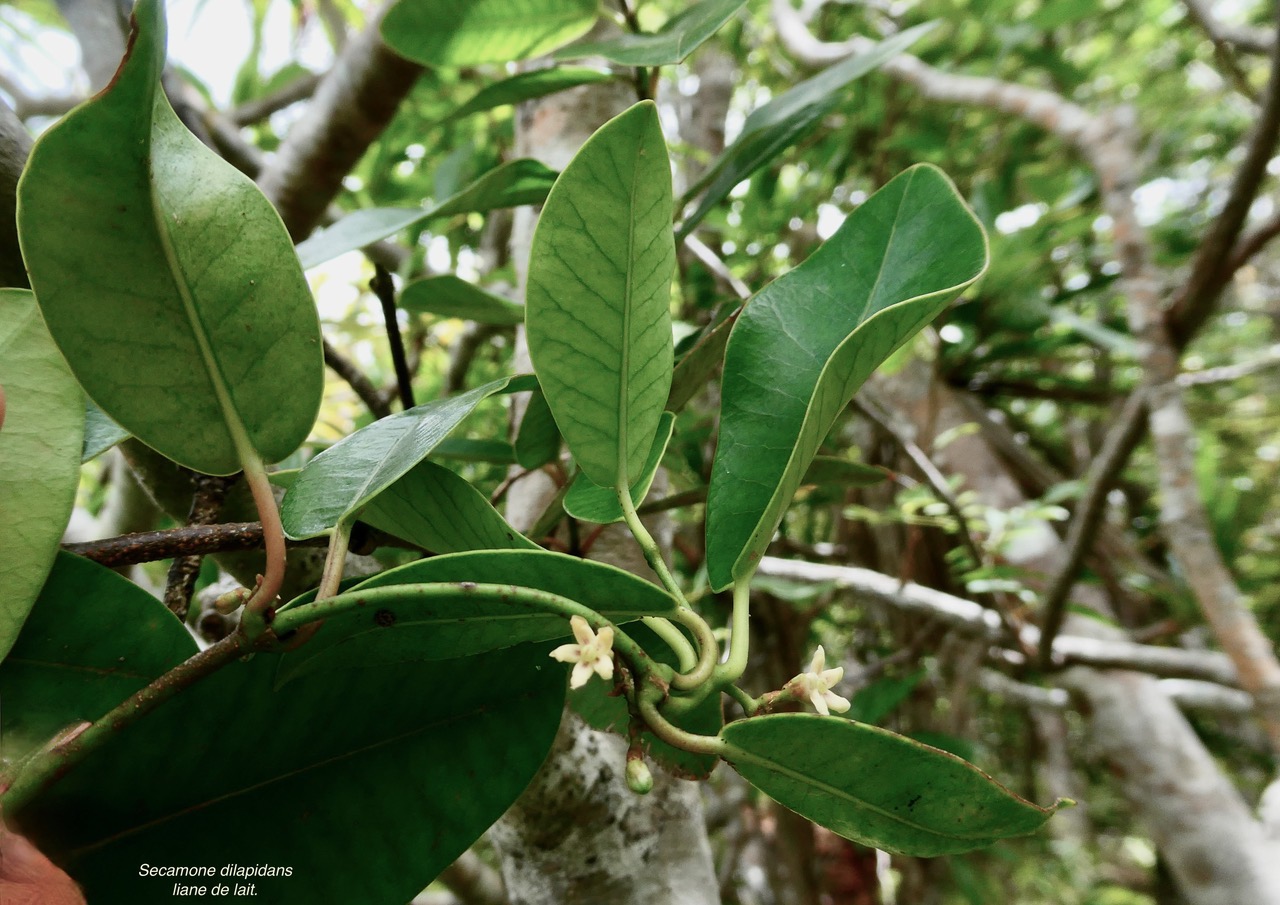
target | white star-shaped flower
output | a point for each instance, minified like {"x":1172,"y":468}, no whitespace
{"x":592,"y":654}
{"x":816,"y":685}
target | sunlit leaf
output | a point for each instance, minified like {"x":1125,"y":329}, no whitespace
{"x":168,"y":280}
{"x":678,"y":38}
{"x":446,"y":33}
{"x":597,"y":302}
{"x":40,"y":443}
{"x":805,"y":343}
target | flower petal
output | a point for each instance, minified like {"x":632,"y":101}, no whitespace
{"x":819,"y":661}
{"x":581,"y":630}
{"x":835,"y":702}
{"x":604,"y":668}
{"x":819,"y":703}
{"x":568,"y":653}
{"x":831,"y":676}
{"x":581,"y":675}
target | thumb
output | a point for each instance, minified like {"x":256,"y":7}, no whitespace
{"x":29,"y":878}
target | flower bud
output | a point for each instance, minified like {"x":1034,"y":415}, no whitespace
{"x":639,"y":779}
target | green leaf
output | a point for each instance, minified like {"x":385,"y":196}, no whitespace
{"x":439,"y":511}
{"x":835,"y":470}
{"x":780,"y":124}
{"x":409,"y":625}
{"x":692,"y":371}
{"x":876,"y":788}
{"x":347,"y":475}
{"x":598,"y":297}
{"x":446,"y":33}
{"x":449,"y":296}
{"x":93,"y":639}
{"x":42,"y":415}
{"x":526,"y":86}
{"x":366,"y":783}
{"x":603,"y":710}
{"x":465,"y":449}
{"x":511,"y":184}
{"x":677,"y":39}
{"x":168,"y":280}
{"x":100,"y":432}
{"x":805,"y":343}
{"x":592,"y":503}
{"x":538,"y":440}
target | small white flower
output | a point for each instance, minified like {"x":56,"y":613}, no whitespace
{"x":816,"y":685}
{"x":592,"y":654}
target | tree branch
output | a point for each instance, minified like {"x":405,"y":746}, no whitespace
{"x":256,"y":110}
{"x":356,"y":379}
{"x":352,"y":105}
{"x":1118,"y":445}
{"x":970,"y":617}
{"x":1212,"y":267}
{"x":384,"y":287}
{"x":1250,"y":40}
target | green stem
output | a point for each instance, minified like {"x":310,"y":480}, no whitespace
{"x":335,"y":561}
{"x":515,"y":597}
{"x":255,"y":474}
{"x":674,"y":735}
{"x":652,"y":555}
{"x":740,"y":638}
{"x":749,"y":704}
{"x":44,"y":771}
{"x":709,"y":652}
{"x":675,"y":639}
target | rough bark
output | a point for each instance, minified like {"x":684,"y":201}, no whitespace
{"x":578,"y":834}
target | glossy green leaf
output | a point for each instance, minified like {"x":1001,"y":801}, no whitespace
{"x":406,"y":624}
{"x":446,"y":33}
{"x":805,"y":343}
{"x":511,"y":184}
{"x":603,"y":710}
{"x":598,"y":297}
{"x":538,"y":439}
{"x":347,"y":475}
{"x":100,"y":432}
{"x":93,"y":639}
{"x":678,"y":38}
{"x":592,"y":503}
{"x":439,"y":511}
{"x":363,"y":782}
{"x":875,"y":787}
{"x":168,"y":280}
{"x":779,"y":125}
{"x":40,"y":442}
{"x":525,"y":86}
{"x":449,"y":296}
